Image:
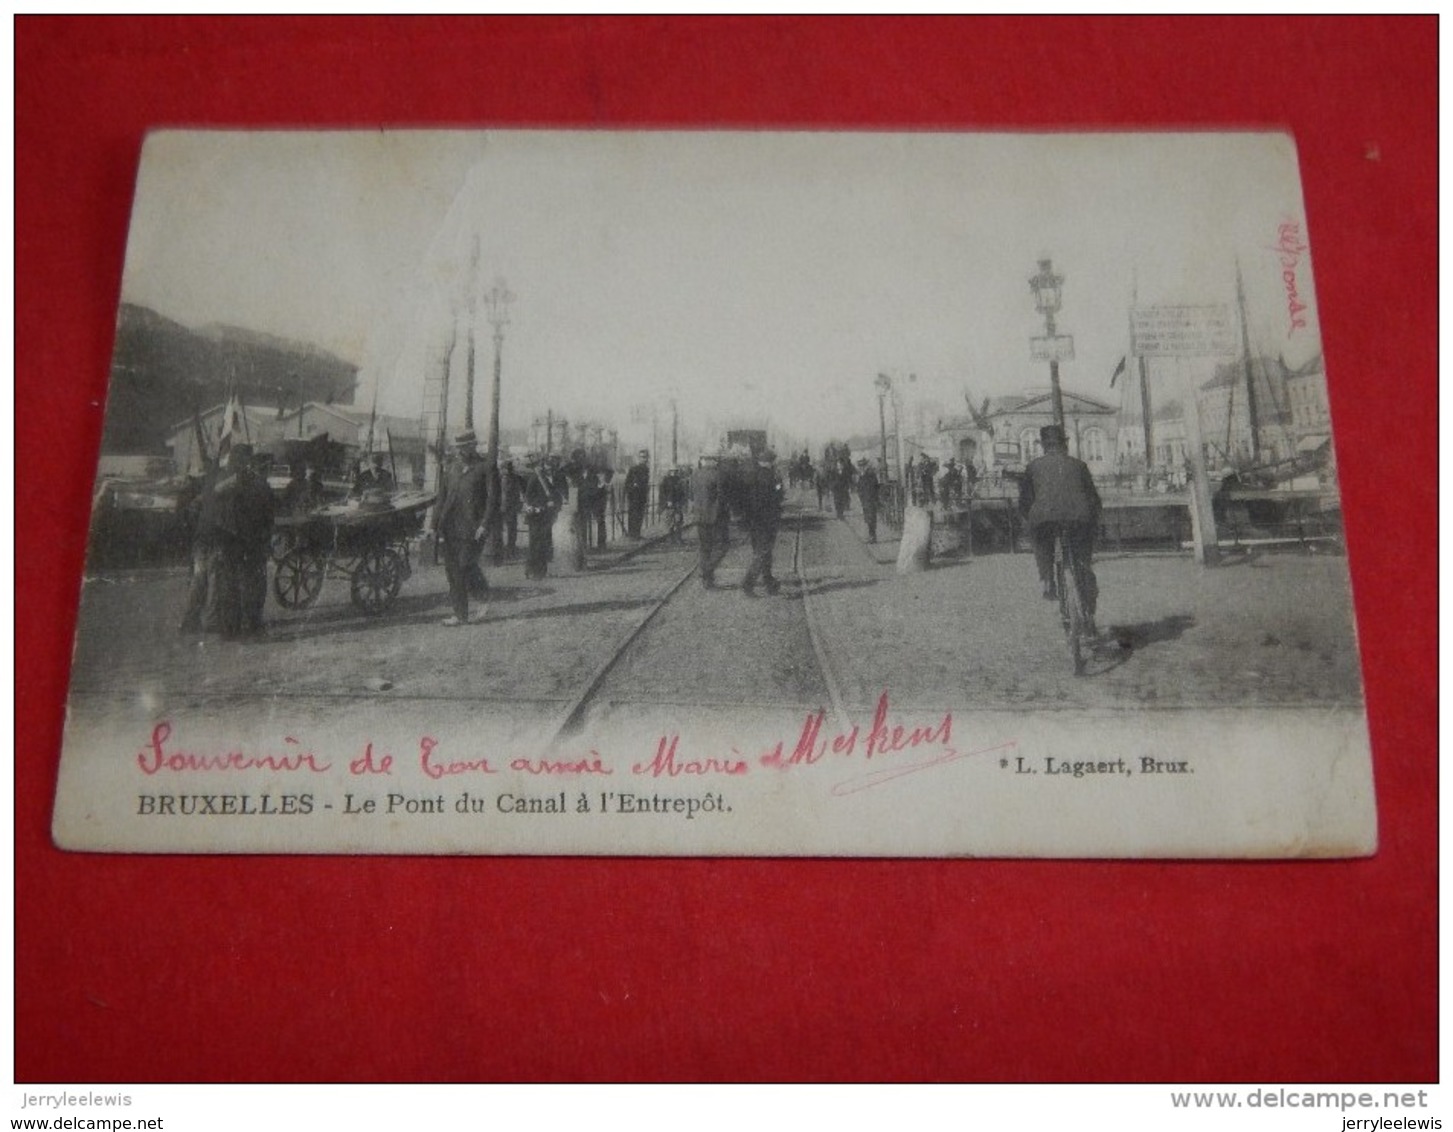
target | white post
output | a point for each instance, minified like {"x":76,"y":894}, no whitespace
{"x":1203,"y":521}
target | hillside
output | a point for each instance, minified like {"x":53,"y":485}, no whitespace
{"x":162,"y":371}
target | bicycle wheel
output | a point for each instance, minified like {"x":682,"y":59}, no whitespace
{"x":1072,"y":605}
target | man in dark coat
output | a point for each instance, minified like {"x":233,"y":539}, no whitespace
{"x":494,"y":527}
{"x":600,"y":503}
{"x":541,"y":500}
{"x":708,"y":508}
{"x":201,"y":609}
{"x":238,"y":517}
{"x":638,"y":492}
{"x":306,"y":491}
{"x":762,"y":513}
{"x":373,"y":476}
{"x":588,"y":489}
{"x":842,"y":483}
{"x":258,"y":508}
{"x":673,"y":500}
{"x":1057,"y":494}
{"x":953,"y":483}
{"x":868,"y":497}
{"x":512,"y":490}
{"x":459,"y":521}
{"x":927,"y":471}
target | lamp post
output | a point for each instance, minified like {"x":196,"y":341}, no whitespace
{"x":885,"y":386}
{"x":498,"y":300}
{"x":471,"y":316}
{"x":886,"y":391}
{"x":1046,"y":286}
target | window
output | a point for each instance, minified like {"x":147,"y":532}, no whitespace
{"x":1029,"y":444}
{"x":1092,"y":445}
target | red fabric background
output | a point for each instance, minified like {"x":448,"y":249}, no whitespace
{"x":175,"y":968}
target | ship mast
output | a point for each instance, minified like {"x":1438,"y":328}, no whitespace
{"x":1143,"y":366}
{"x":1246,"y":362}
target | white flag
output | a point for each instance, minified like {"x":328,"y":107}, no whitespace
{"x":231,"y":423}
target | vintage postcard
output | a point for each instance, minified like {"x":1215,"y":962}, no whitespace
{"x":738,"y":493}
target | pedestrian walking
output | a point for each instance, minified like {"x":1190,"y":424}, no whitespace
{"x":511,"y":489}
{"x":638,"y":492}
{"x":460,"y":521}
{"x":674,"y":490}
{"x":236,"y":524}
{"x":762,"y":516}
{"x":598,"y":507}
{"x":842,"y":483}
{"x":709,"y":509}
{"x":541,"y":500}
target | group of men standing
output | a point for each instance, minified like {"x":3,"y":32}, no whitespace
{"x":948,"y":486}
{"x":473,"y":499}
{"x":231,"y":545}
{"x":750,"y":489}
{"x":840,"y":478}
{"x":235,"y":509}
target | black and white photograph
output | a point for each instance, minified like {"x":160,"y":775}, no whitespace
{"x":717,"y":493}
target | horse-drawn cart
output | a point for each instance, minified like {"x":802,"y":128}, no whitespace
{"x":363,"y":542}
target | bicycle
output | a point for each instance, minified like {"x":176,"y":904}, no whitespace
{"x":1074,"y":605}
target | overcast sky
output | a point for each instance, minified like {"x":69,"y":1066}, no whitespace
{"x":746,"y":274}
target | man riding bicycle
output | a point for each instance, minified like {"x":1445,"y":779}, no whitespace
{"x":1057,"y":494}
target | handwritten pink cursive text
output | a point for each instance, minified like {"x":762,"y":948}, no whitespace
{"x":1289,"y":249}
{"x":159,"y":757}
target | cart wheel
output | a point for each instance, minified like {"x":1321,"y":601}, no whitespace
{"x":298,"y":579}
{"x":376,"y":579}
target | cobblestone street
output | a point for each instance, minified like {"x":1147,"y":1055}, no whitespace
{"x":969,"y":632}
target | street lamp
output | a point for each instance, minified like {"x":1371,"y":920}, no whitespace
{"x":885,"y":386}
{"x":498,"y":299}
{"x":1046,"y":286}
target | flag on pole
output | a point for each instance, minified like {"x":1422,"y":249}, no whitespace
{"x":233,"y":423}
{"x":1118,"y":371}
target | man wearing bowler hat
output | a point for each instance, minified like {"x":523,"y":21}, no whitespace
{"x":459,"y":520}
{"x":1058,"y":493}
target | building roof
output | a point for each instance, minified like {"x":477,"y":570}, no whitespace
{"x":1038,"y":400}
{"x":358,"y":418}
{"x":254,"y":414}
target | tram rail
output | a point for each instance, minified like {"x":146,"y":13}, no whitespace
{"x":572,"y":716}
